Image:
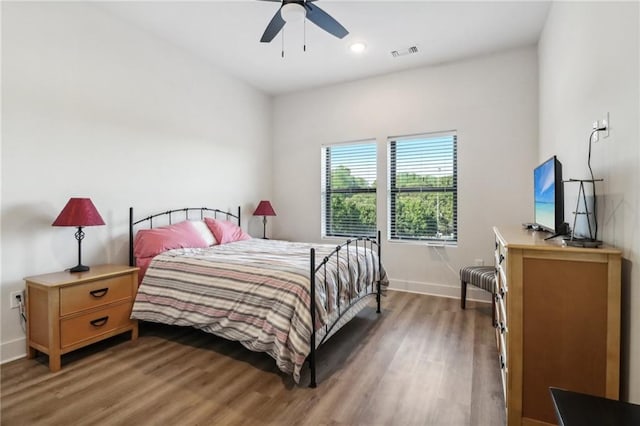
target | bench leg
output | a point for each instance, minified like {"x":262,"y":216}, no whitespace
{"x":463,"y":294}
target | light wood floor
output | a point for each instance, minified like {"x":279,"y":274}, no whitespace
{"x":423,"y":361}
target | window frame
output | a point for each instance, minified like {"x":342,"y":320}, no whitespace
{"x":393,"y":191}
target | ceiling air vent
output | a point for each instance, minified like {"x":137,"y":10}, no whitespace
{"x":404,"y":52}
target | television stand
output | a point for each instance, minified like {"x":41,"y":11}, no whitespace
{"x":563,"y":231}
{"x":559,"y":234}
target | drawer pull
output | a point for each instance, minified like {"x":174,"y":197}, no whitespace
{"x":101,"y":292}
{"x":500,"y":259}
{"x":100,"y":321}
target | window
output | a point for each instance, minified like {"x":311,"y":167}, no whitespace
{"x":349,"y":190}
{"x":423,"y":188}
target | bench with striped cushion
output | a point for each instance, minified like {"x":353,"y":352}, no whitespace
{"x":483,"y":277}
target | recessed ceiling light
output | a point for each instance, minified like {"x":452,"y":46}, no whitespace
{"x":358,"y":47}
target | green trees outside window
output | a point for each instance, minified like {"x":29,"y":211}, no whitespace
{"x":353,"y":205}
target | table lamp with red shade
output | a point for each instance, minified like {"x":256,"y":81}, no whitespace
{"x":264,"y":209}
{"x":79,"y":212}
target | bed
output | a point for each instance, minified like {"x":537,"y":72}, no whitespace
{"x":254,"y":291}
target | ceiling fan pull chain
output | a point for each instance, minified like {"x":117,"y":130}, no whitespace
{"x":304,"y":32}
{"x":283,"y":43}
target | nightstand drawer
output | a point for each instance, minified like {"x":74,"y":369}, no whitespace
{"x":87,"y":326}
{"x":81,"y":297}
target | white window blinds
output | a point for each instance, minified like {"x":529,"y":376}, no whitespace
{"x":423,"y":188}
{"x":349,"y":189}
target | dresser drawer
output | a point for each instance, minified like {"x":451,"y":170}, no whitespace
{"x":500,"y":253}
{"x":501,"y":280}
{"x":85,"y":327}
{"x":501,"y":312}
{"x":504,"y":378}
{"x":501,"y":256}
{"x":500,"y":261}
{"x":81,"y":297}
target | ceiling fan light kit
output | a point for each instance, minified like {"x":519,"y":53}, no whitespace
{"x":293,"y":12}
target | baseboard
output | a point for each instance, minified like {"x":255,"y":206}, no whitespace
{"x":441,"y":290}
{"x":12,"y":350}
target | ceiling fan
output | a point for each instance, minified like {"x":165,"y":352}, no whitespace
{"x":301,"y":9}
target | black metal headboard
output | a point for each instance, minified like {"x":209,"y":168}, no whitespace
{"x":184,"y":214}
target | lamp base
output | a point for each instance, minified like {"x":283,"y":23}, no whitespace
{"x":264,"y":228}
{"x":79,"y":268}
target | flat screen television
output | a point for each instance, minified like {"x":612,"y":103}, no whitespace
{"x":548,"y":196}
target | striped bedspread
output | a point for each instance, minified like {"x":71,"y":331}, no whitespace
{"x":255,"y":292}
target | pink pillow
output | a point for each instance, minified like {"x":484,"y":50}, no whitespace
{"x":225,"y":231}
{"x":151,"y":242}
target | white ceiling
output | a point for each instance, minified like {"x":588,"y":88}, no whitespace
{"x":227,"y":34}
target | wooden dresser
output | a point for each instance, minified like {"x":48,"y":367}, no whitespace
{"x":66,"y":311}
{"x":558,"y":321}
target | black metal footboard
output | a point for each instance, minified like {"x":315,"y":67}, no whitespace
{"x":372,"y":287}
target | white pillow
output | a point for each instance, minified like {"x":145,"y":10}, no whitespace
{"x":204,"y":232}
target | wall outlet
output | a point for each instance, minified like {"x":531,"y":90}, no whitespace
{"x":479,"y":262}
{"x":599,"y":124}
{"x":605,"y":123}
{"x":15,"y":297}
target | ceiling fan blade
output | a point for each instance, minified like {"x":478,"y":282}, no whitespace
{"x":273,"y":28}
{"x":324,"y":21}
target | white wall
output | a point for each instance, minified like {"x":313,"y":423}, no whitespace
{"x":589,"y":65}
{"x":492,"y":103}
{"x":92,"y":106}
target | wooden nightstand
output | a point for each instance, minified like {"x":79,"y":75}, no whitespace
{"x":66,"y":311}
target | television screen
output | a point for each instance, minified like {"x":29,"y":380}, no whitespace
{"x":548,"y":199}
